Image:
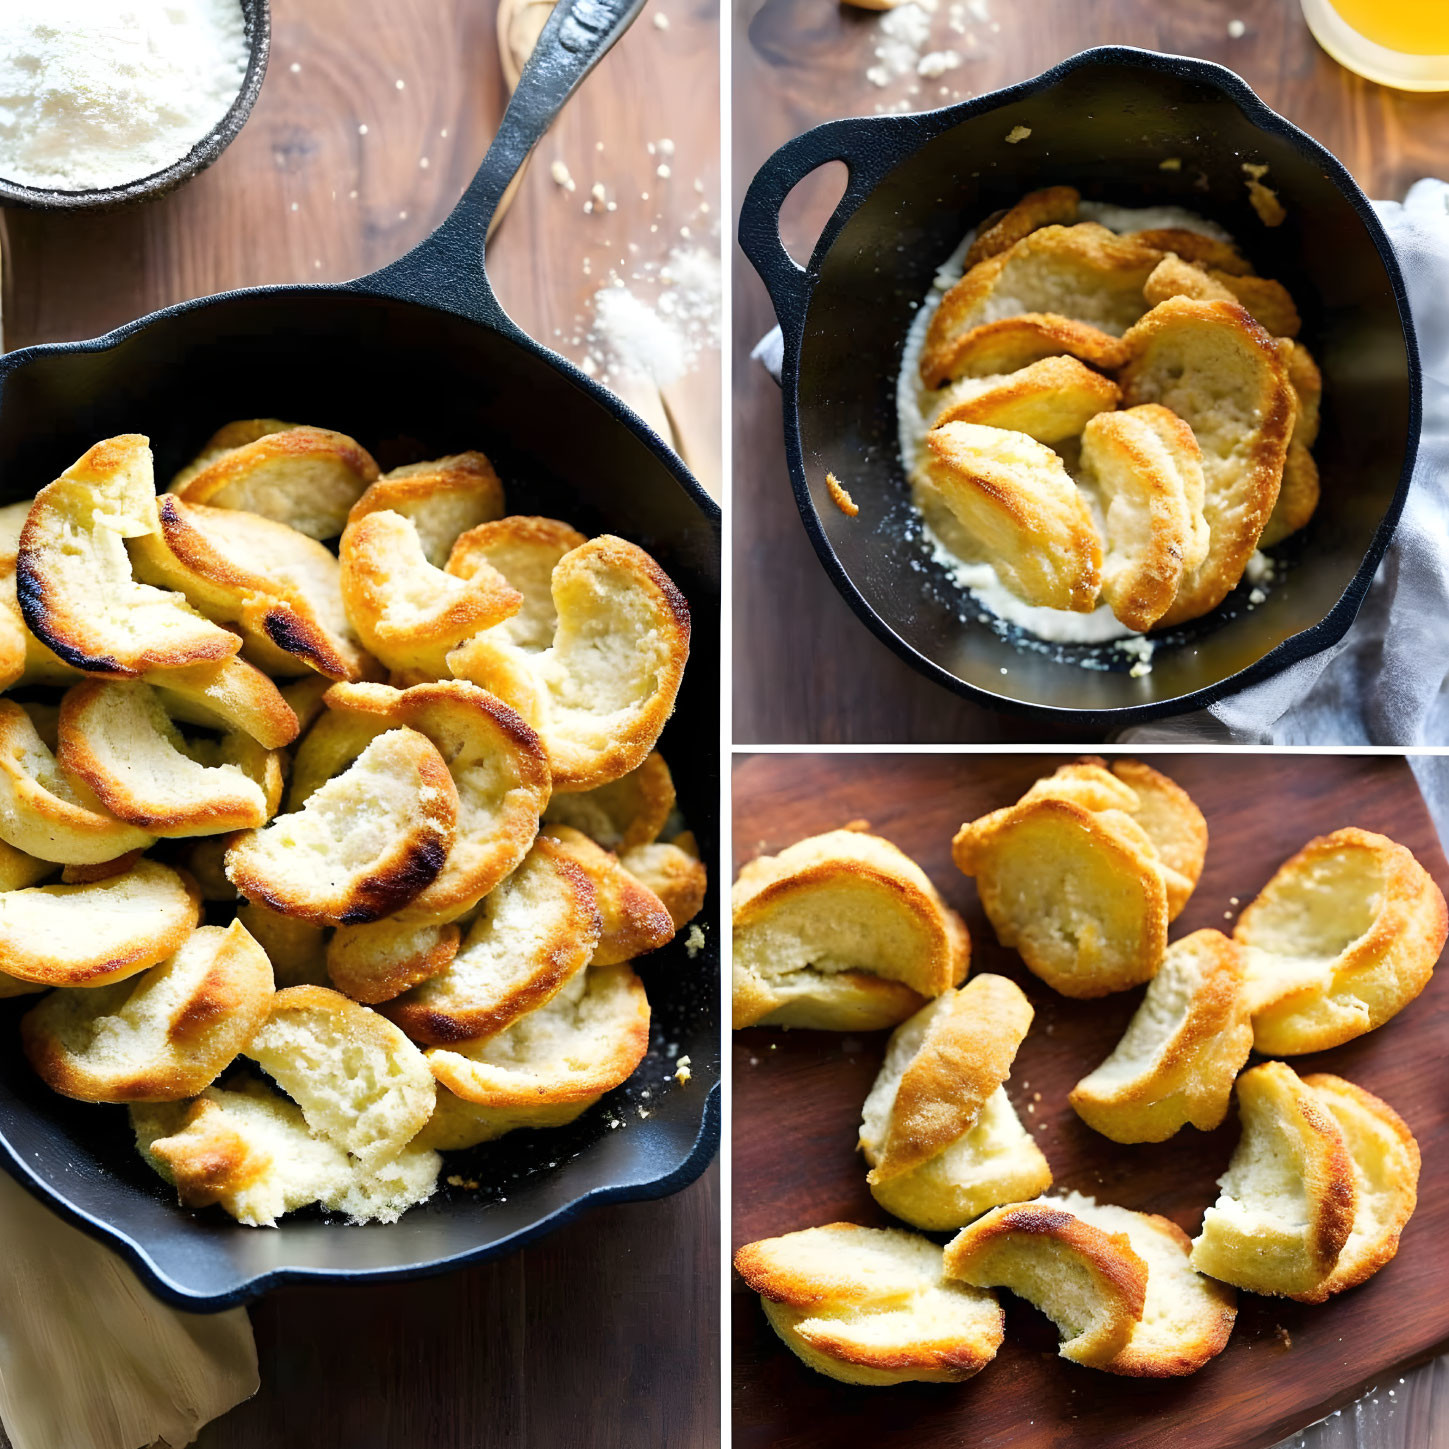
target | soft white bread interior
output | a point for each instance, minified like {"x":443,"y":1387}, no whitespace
{"x":870,"y":1305}
{"x":1345,"y":935}
{"x":442,"y":498}
{"x":1182,"y":1050}
{"x":624,"y":814}
{"x":73,"y":574}
{"x":1186,"y":1317}
{"x":546,"y":1068}
{"x":1090,"y":1283}
{"x":359,"y":1081}
{"x":364,"y":844}
{"x":531,"y":936}
{"x":159,"y":1036}
{"x":841,"y":932}
{"x":1287,"y":1203}
{"x":249,"y":1149}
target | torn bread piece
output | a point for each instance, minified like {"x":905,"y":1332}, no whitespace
{"x":306,"y":478}
{"x":1173,"y":823}
{"x":279,"y":587}
{"x":673,"y":873}
{"x":1386,"y":1161}
{"x":45,"y":812}
{"x":377,"y":961}
{"x":871,"y":1305}
{"x":1182,"y":1050}
{"x":1187,"y":1318}
{"x":74,"y":578}
{"x":1008,"y":345}
{"x":624,"y":814}
{"x":443,"y":499}
{"x":249,"y":1149}
{"x":1299,"y":493}
{"x":1050,"y":400}
{"x":1017,"y":507}
{"x":159,"y":1036}
{"x":497,"y":764}
{"x":1288,"y":1199}
{"x":93,"y":934}
{"x":1344,"y":936}
{"x":117,"y":737}
{"x":408,"y":612}
{"x":531,"y":936}
{"x":232,"y":695}
{"x":359,"y":1081}
{"x":635,"y":920}
{"x":603,"y":688}
{"x":938,"y":1131}
{"x":1050,"y":206}
{"x":841,"y":932}
{"x":297,"y":949}
{"x":550,"y":1065}
{"x":1146,"y":468}
{"x":363,"y":846}
{"x":1092,"y":1284}
{"x":1267,"y":302}
{"x":1220,"y":372}
{"x":1079,"y":893}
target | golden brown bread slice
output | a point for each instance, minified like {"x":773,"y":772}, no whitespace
{"x":279,"y":587}
{"x":304,"y":477}
{"x":673,"y":873}
{"x":870,"y":1305}
{"x":1187,"y":1318}
{"x":99,"y":932}
{"x":1084,"y":274}
{"x":1288,"y":1198}
{"x":550,"y":1065}
{"x":1090,"y":1283}
{"x":1219,"y":371}
{"x":1267,"y":302}
{"x":1298,"y":496}
{"x":1195,"y":247}
{"x":160,"y":1036}
{"x":1173,"y":823}
{"x":232,"y":695}
{"x":635,"y":920}
{"x":363,"y":846}
{"x":531,"y":936}
{"x":603,"y":686}
{"x":841,"y":932}
{"x":1050,"y":400}
{"x":296,"y":948}
{"x":1146,"y":468}
{"x":1079,"y":893}
{"x":443,"y":498}
{"x":1385,"y":1173}
{"x":74,"y":577}
{"x":628,"y":812}
{"x":46,"y":813}
{"x":1018,"y":508}
{"x":498,"y":768}
{"x":1181,"y":1051}
{"x":408,"y":612}
{"x":1006,"y":346}
{"x":377,"y":961}
{"x":1345,"y":934}
{"x":1050,"y":206}
{"x":938,"y":1130}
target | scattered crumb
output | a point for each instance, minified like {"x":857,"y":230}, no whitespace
{"x":643,"y":1115}
{"x":681,"y":1071}
{"x":1236,"y":29}
{"x":661,"y":20}
{"x":662,"y":171}
{"x":561,"y":177}
{"x":597,"y":192}
{"x":1286,"y":1338}
{"x":362,"y":130}
{"x":1017,"y":133}
{"x":857,"y":825}
{"x":693,"y":942}
{"x":400,"y":85}
{"x":838,"y":495}
{"x":1263,"y":198}
{"x":1233,"y":900}
{"x":296,"y":69}
{"x":471,"y":1183}
{"x":1172,"y":163}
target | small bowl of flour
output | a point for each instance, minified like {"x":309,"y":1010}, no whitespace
{"x":106,"y":102}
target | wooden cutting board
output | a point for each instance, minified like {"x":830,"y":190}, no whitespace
{"x":797,"y":1098}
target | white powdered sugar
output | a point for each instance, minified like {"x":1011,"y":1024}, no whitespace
{"x":97,"y":93}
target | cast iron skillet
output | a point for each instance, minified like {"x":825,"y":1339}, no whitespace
{"x":1102,"y":121}
{"x":416,"y":361}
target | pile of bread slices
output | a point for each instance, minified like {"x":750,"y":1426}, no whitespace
{"x":1083,"y":876}
{"x":1118,"y":418}
{"x":385,"y":822}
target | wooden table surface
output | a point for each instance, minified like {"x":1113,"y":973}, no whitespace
{"x":606,"y":1333}
{"x":806,"y":670}
{"x":797,"y":1106}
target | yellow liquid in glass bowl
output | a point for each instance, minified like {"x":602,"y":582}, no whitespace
{"x":1401,"y":43}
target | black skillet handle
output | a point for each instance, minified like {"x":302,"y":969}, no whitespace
{"x":870,"y":147}
{"x":446,"y":269}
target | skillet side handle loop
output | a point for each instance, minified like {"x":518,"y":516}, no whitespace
{"x":869,"y":147}
{"x":446,"y":269}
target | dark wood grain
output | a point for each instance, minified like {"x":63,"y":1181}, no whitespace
{"x":805,"y":668}
{"x":797,"y":1100}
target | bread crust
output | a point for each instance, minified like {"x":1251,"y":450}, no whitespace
{"x":1175,"y":1067}
{"x":674,"y":874}
{"x":180,"y":1042}
{"x":801,"y":890}
{"x":1048,"y":206}
{"x":443,"y":498}
{"x":1171,"y":819}
{"x":232,"y":695}
{"x":1003,"y":1249}
{"x":1011,"y":343}
{"x":376,"y":962}
{"x":626,"y":813}
{"x":635,"y":920}
{"x":1363,"y":965}
{"x":1299,"y":493}
{"x":1050,"y":400}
